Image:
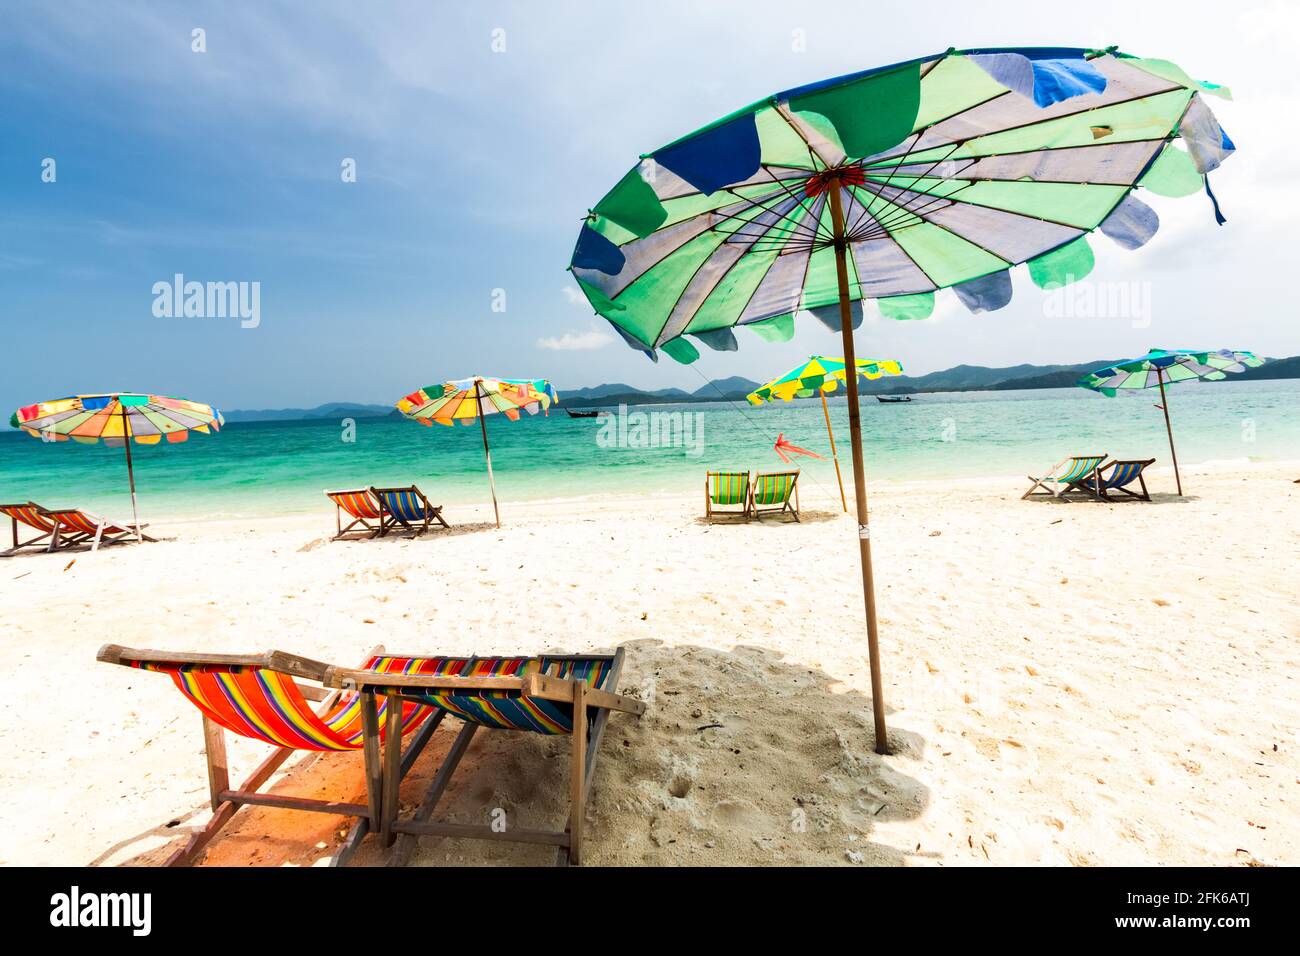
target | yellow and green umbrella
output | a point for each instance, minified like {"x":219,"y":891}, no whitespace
{"x":467,"y":399}
{"x":821,"y":375}
{"x":113,"y":417}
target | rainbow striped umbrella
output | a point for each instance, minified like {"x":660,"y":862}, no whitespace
{"x":466,"y":399}
{"x":819,"y":376}
{"x":1159,"y":366}
{"x":113,"y":417}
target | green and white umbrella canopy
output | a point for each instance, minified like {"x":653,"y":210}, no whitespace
{"x":1161,"y":367}
{"x":1164,"y":367}
{"x":951,"y":169}
{"x":891,"y":184}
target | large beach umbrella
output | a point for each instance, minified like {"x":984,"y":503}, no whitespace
{"x":890,"y":184}
{"x":112,"y":418}
{"x":467,"y":399}
{"x":821,"y":375}
{"x":1167,"y":366}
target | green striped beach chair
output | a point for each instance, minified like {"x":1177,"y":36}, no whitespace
{"x":1068,"y":474}
{"x":773,"y":493}
{"x":555,"y":694}
{"x":724,"y":491}
{"x":1116,"y":476}
{"x":406,"y":508}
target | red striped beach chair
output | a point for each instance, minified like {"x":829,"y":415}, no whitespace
{"x":552,"y":694}
{"x":264,"y":697}
{"x":77,"y":527}
{"x":406,"y":508}
{"x":723,"y":491}
{"x":1067,"y":475}
{"x":33,"y":516}
{"x":362,"y":507}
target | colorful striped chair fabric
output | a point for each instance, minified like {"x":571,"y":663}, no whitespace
{"x":508,"y":709}
{"x":76,"y":527}
{"x":33,"y":516}
{"x":773,"y":492}
{"x":1116,"y":475}
{"x":724,"y":490}
{"x":407,"y":508}
{"x":362,"y":507}
{"x":267,"y":705}
{"x":1077,"y":469}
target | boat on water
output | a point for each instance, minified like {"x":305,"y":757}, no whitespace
{"x":893,"y":399}
{"x":586,"y":413}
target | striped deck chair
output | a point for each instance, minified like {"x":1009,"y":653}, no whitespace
{"x":1067,"y":474}
{"x":359,"y":505}
{"x":724,"y":490}
{"x":553,"y":694}
{"x":1120,"y":474}
{"x":263,"y":697}
{"x":772,"y":493}
{"x":77,"y":527}
{"x":29,"y":515}
{"x":407,"y":508}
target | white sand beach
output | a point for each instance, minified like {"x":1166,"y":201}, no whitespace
{"x":1086,"y":684}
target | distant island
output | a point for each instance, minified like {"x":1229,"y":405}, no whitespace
{"x":960,"y":378}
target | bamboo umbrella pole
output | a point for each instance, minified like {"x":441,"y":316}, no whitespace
{"x":859,"y":477}
{"x":834,"y":454}
{"x":487,"y":453}
{"x":130,"y":472}
{"x":1169,"y":429}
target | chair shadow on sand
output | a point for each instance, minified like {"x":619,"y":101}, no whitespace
{"x":472,"y":527}
{"x":741,"y":758}
{"x":806,"y":516}
{"x":1157,"y":498}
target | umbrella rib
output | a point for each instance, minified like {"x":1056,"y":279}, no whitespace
{"x":904,"y":211}
{"x":782,"y":110}
{"x":867,"y":210}
{"x":799,"y":199}
{"x":795,"y":224}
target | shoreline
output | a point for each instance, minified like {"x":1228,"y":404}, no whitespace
{"x":821,"y":490}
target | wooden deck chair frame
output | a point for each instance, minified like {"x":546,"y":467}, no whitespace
{"x":351,"y":531}
{"x":712,"y":510}
{"x":226,"y":801}
{"x":584,"y":749}
{"x":67,"y":535}
{"x":45,"y":540}
{"x":1106,"y":490}
{"x":388,"y":521}
{"x":1066,"y":486}
{"x":758,"y":510}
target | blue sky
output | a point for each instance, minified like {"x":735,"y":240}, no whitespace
{"x":474,"y":168}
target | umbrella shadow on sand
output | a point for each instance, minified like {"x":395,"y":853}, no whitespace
{"x":389,"y":540}
{"x":742,"y":758}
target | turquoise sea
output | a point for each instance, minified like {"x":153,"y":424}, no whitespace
{"x":282,"y":467}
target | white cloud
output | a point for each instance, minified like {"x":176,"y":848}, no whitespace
{"x":595,"y":338}
{"x":574,"y":296}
